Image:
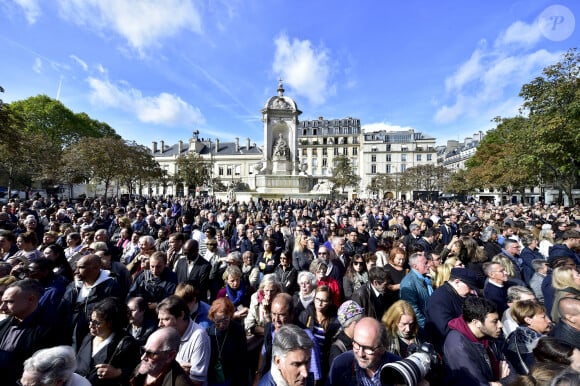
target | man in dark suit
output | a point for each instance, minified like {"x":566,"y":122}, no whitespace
{"x":198,"y":275}
{"x":371,"y":296}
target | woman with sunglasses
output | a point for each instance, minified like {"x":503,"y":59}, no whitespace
{"x":356,"y":275}
{"x":228,"y":363}
{"x":108,"y":355}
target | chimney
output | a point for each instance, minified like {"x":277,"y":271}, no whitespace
{"x":217,"y":145}
{"x":154,"y":147}
{"x":196,"y":135}
{"x":237,"y":144}
{"x":179,"y":147}
{"x":248,"y":144}
{"x":162,"y":146}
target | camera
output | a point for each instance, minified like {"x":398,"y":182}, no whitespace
{"x":411,"y":370}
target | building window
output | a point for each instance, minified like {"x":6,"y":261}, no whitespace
{"x":387,"y":168}
{"x":374,"y":169}
{"x":388,"y":147}
{"x":324,"y":162}
{"x":374,"y":148}
{"x":373,"y":158}
{"x":229,"y":171}
{"x":314,"y":163}
{"x":354,"y":151}
{"x":345,"y":150}
{"x":403,"y":168}
{"x":324,"y":151}
{"x":429,"y":157}
{"x":418,"y":157}
{"x":403,"y":157}
{"x":336,"y":151}
{"x":388,"y":158}
{"x":221,"y":171}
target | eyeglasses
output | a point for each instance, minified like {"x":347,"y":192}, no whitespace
{"x":222,"y":320}
{"x":94,"y":322}
{"x":322,"y":301}
{"x":357,"y":262}
{"x":152,"y":354}
{"x":366,"y":349}
{"x":323,"y":253}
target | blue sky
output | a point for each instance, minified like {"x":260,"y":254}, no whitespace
{"x":159,"y":69}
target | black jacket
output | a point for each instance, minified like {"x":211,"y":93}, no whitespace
{"x":122,"y":353}
{"x":374,"y":307}
{"x":34,"y":334}
{"x":75,"y":315}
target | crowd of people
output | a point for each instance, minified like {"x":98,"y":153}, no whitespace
{"x":198,"y":291}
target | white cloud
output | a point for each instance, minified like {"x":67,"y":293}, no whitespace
{"x":386,"y":126}
{"x":494,"y":73}
{"x":143,"y":23}
{"x":164,"y":109}
{"x":37,"y":66}
{"x":520,"y":33}
{"x":31,"y":9}
{"x":304,"y":68}
{"x":80,"y":62}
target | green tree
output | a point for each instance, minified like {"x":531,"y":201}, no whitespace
{"x":100,"y":160}
{"x":459,"y":182}
{"x":503,"y":160}
{"x":380,"y":184}
{"x":343,"y":173}
{"x":140,"y":167}
{"x":553,"y":104}
{"x":193,"y":170}
{"x":427,"y":177}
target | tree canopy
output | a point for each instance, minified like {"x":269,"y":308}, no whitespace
{"x":193,"y":171}
{"x":541,"y":144}
{"x":343,"y":173}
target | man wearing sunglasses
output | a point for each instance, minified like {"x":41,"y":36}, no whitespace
{"x":158,"y":364}
{"x":362,"y":365}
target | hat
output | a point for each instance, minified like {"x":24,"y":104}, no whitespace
{"x":348,"y":311}
{"x":467,"y":276}
{"x":546,"y":227}
{"x":570,"y":234}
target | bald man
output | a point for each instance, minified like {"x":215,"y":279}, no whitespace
{"x":568,"y":328}
{"x":369,"y":354}
{"x":91,"y":285}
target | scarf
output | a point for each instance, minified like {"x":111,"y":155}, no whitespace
{"x":277,"y":376}
{"x":236,"y":297}
{"x":306,"y":299}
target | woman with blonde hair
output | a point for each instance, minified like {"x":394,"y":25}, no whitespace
{"x":444,"y":271}
{"x":546,"y":238}
{"x":507,"y":264}
{"x":301,"y":255}
{"x":402,"y":328}
{"x":566,"y":283}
